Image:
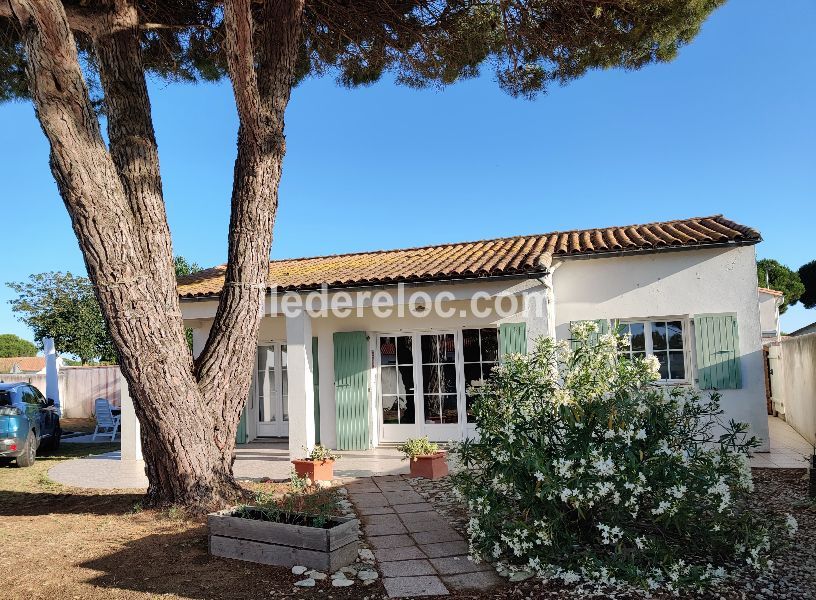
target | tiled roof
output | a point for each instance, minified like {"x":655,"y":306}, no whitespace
{"x":26,"y":364}
{"x":770,"y":291}
{"x":486,"y":258}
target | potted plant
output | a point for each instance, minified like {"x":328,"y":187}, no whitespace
{"x":318,"y":465}
{"x":425,"y":458}
{"x":300,"y":528}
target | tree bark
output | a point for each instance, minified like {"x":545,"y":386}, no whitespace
{"x":188,"y":413}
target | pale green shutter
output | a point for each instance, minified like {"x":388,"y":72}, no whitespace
{"x":241,"y":432}
{"x":603,"y":327}
{"x":512,"y":339}
{"x":351,"y":389}
{"x":316,"y":387}
{"x":718,"y":357}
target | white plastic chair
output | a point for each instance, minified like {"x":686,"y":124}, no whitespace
{"x":105,"y":419}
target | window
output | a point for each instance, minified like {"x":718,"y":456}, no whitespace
{"x":663,"y":339}
{"x":30,"y":396}
{"x":480,"y":351}
{"x":272,"y":365}
{"x":439,"y":391}
{"x":397,"y":380}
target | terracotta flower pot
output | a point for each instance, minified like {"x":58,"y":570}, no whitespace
{"x":429,"y":466}
{"x":316,"y":470}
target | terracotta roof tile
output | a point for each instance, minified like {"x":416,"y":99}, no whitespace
{"x":770,"y":291}
{"x":30,"y":364}
{"x":485,"y":258}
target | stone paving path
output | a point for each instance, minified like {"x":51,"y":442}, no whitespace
{"x":418,"y":552}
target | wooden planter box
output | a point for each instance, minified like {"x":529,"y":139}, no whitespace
{"x":316,"y":470}
{"x":325,"y":549}
{"x":431,"y":466}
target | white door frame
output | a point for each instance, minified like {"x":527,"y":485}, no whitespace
{"x":389,"y":432}
{"x":273,"y":398}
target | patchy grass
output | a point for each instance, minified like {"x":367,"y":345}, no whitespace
{"x":78,"y":425}
{"x":103,"y":544}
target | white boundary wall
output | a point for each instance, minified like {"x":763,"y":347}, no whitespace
{"x":79,"y":387}
{"x":794,"y":383}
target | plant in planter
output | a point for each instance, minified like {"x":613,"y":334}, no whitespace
{"x":425,"y":458}
{"x":298,"y":528}
{"x":318,"y":465}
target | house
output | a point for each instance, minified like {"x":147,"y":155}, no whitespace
{"x":364,"y":349}
{"x":804,"y":330}
{"x":24,"y":365}
{"x":769,"y":303}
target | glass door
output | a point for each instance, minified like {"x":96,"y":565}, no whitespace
{"x":480,"y":353}
{"x":398,"y":420}
{"x":272,"y":391}
{"x":440,"y":388}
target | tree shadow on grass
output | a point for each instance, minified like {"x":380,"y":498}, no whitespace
{"x":31,"y":504}
{"x":179,"y":563}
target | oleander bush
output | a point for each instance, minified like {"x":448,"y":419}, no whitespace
{"x":586,"y":470}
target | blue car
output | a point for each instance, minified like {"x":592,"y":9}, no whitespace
{"x":28,"y":422}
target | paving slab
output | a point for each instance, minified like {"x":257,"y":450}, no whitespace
{"x":456,"y":565}
{"x":362,"y":487}
{"x":391,"y":541}
{"x":481,"y":580}
{"x":374,"y":510}
{"x":385,"y":529}
{"x":411,"y":508}
{"x":403,"y":587}
{"x":447,"y":534}
{"x":423,"y":521}
{"x":407,"y":568}
{"x":382,"y":519}
{"x":445,"y":549}
{"x":410,"y":497}
{"x":404,"y":553}
{"x":369,"y":499}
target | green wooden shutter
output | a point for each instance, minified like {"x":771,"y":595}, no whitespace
{"x":351,"y":389}
{"x":718,"y":357}
{"x":316,"y":387}
{"x":603,"y":327}
{"x":512,"y":339}
{"x":241,"y":432}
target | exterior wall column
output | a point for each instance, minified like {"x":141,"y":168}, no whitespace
{"x":130,"y":428}
{"x":539,"y":310}
{"x":301,"y":391}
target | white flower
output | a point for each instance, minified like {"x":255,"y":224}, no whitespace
{"x":791,"y":524}
{"x":641,"y":434}
{"x":653,"y":364}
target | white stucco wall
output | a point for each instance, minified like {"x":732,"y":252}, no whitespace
{"x":675,"y":284}
{"x":769,"y":314}
{"x":794,"y":383}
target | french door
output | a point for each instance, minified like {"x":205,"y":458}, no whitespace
{"x":424,"y":379}
{"x":272,"y":391}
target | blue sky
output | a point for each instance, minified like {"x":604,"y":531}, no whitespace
{"x":728,"y":127}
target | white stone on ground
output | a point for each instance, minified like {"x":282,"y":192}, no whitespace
{"x":365,"y":554}
{"x":368,"y":574}
{"x":342,"y":582}
{"x":316,"y":575}
{"x":305,"y":582}
{"x":298,"y":570}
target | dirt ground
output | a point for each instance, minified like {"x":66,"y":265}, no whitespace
{"x":61,"y":542}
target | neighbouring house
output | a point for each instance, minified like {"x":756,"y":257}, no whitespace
{"x":29,"y":365}
{"x":334,"y":366}
{"x":804,"y":330}
{"x":769,"y":303}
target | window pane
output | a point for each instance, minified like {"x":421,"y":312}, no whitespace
{"x":432,"y":408}
{"x":430,"y":353}
{"x":447,"y":348}
{"x":473,"y":375}
{"x":407,"y":411}
{"x":487,"y":370}
{"x":450,"y":412}
{"x":285,"y":392}
{"x":390,"y":413}
{"x":430,"y":379}
{"x":448,"y":382}
{"x":664,"y":364}
{"x":264,"y":356}
{"x":405,"y":351}
{"x":284,"y":361}
{"x":388,"y":380}
{"x":405,"y":381}
{"x":470,"y":345}
{"x":388,"y":351}
{"x":659,"y":341}
{"x":675,"y":335}
{"x":676,"y":365}
{"x":469,"y":401}
{"x":638,"y":337}
{"x":490,"y":344}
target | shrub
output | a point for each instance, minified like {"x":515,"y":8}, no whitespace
{"x":587,"y":470}
{"x":321,"y":454}
{"x":412,"y":448}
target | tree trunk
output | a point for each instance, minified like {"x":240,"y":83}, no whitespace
{"x":188,"y":413}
